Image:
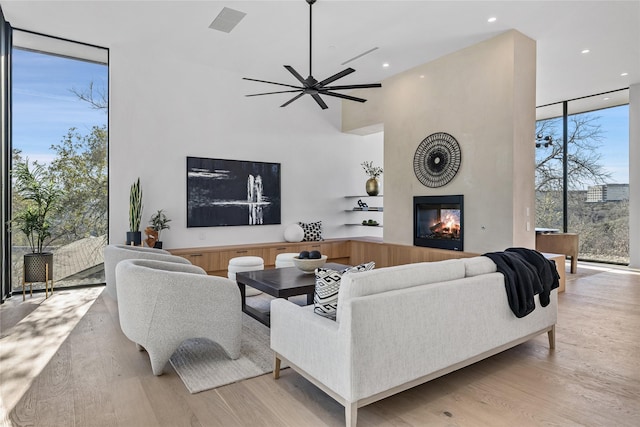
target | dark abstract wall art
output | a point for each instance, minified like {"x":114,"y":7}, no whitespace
{"x":232,"y":192}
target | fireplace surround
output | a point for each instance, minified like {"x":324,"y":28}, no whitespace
{"x":438,"y":222}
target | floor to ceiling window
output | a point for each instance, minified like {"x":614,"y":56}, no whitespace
{"x":592,"y":197}
{"x":59,"y":131}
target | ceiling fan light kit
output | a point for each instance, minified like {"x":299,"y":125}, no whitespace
{"x":313,"y":87}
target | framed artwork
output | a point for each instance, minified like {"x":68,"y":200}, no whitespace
{"x":232,"y":192}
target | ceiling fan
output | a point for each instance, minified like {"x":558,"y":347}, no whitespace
{"x":313,"y":87}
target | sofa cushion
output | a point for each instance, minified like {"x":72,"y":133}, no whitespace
{"x":478,"y":265}
{"x":325,"y":297}
{"x":399,"y":277}
{"x":312,"y":231}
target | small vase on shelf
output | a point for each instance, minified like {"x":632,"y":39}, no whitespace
{"x":373,"y":187}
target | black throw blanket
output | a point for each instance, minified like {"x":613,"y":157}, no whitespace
{"x":526,"y":273}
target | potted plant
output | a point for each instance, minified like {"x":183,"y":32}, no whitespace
{"x":372,"y":186}
{"x":42,"y":196}
{"x":159,"y":222}
{"x":134,"y":236}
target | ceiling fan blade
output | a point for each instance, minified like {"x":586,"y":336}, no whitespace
{"x":340,"y":95}
{"x":295,"y":74}
{"x":271,"y":93}
{"x":273,"y":83}
{"x":292,"y":99}
{"x":319,"y":101}
{"x":335,"y":77}
{"x":363,"y":86}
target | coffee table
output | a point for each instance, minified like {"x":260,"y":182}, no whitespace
{"x":279,"y":283}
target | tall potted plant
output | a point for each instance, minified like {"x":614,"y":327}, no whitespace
{"x":159,"y":222}
{"x":134,"y":236}
{"x":42,"y":196}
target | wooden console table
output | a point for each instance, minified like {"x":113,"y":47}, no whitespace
{"x":352,"y":251}
{"x":559,"y":243}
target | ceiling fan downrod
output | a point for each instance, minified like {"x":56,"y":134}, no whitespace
{"x":311,"y":2}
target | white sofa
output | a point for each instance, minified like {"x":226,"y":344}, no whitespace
{"x":398,"y":327}
{"x":164,"y":303}
{"x":113,"y":254}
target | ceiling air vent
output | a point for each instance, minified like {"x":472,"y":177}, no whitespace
{"x":227,"y":20}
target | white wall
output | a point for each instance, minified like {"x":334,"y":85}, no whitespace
{"x":484,"y":96}
{"x":165,"y":107}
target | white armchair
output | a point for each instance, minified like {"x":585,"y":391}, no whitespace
{"x":113,"y":254}
{"x":163,"y":303}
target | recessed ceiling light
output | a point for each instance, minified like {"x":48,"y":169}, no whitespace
{"x":624,"y":74}
{"x":385,"y":65}
{"x":606,"y":98}
{"x":585,"y":51}
{"x":422,"y":76}
{"x":492,"y":19}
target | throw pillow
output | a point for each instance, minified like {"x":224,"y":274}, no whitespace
{"x":312,"y":231}
{"x":325,"y":297}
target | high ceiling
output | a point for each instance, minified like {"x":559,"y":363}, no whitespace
{"x":405,"y":33}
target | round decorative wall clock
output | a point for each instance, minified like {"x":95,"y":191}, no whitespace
{"x":437,"y":160}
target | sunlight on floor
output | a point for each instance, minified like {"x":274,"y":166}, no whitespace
{"x":611,"y":268}
{"x":27,"y":347}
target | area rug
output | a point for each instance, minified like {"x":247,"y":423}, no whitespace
{"x":203,"y":365}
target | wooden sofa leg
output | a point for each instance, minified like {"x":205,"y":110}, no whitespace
{"x":276,"y":368}
{"x":552,"y":337}
{"x":351,"y":414}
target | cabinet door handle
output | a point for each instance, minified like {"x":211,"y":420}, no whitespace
{"x":241,"y":252}
{"x":280,"y":249}
{"x":315,"y":246}
{"x":193,"y":255}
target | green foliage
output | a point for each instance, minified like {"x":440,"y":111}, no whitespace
{"x":159,"y":222}
{"x":370,"y":170}
{"x":40,"y":197}
{"x":135,"y":206}
{"x":80,"y":166}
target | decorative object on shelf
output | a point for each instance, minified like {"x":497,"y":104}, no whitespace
{"x":312,"y":231}
{"x":370,"y":222}
{"x":134,"y":236}
{"x":293,"y":233}
{"x":437,"y":160}
{"x":41,"y":195}
{"x":362,"y":206}
{"x":232,"y":192}
{"x":373,"y":172}
{"x":309,"y":265}
{"x":310,"y":86}
{"x":159,"y":222}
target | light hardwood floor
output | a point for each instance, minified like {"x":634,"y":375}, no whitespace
{"x":98,"y":378}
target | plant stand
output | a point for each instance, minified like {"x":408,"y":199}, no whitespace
{"x":46,"y":284}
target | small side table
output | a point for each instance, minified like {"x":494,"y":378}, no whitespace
{"x":559,"y":243}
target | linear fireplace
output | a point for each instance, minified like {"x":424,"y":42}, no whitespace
{"x":438,"y":222}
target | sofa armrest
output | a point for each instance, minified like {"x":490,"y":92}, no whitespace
{"x":313,"y":343}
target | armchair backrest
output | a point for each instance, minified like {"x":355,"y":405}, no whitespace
{"x":113,"y":254}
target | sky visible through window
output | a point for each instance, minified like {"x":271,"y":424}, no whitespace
{"x":614,"y":147}
{"x":44,"y":108}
